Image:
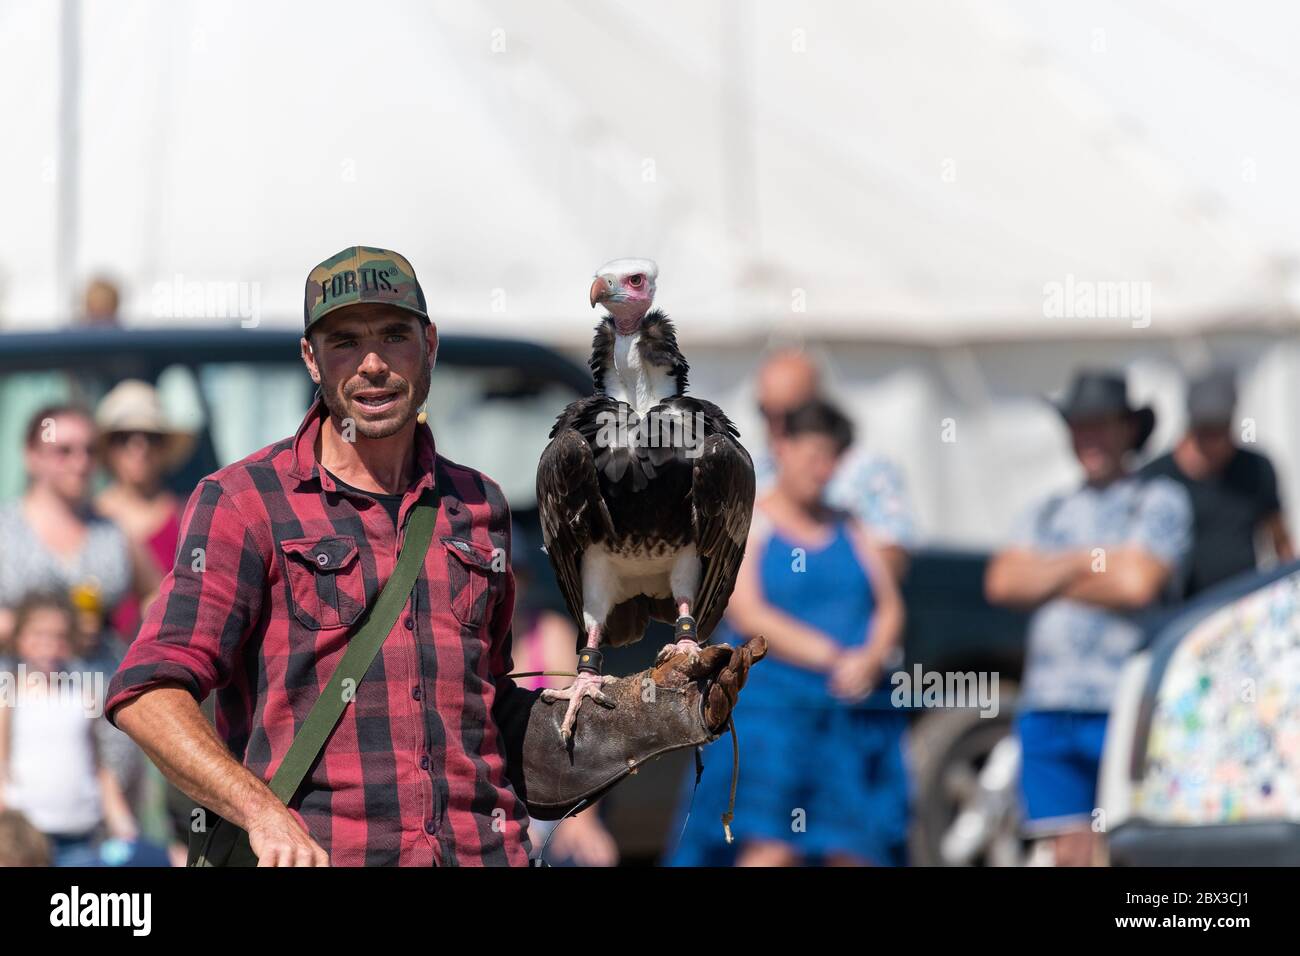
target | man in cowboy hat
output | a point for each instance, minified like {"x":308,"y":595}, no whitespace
{"x":1087,"y":561}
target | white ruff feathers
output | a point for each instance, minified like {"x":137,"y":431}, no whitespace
{"x":635,"y":382}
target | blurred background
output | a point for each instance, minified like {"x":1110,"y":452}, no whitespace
{"x":947,"y":208}
{"x":892,"y":184}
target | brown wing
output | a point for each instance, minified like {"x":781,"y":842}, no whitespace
{"x":572,"y":513}
{"x":722,"y":491}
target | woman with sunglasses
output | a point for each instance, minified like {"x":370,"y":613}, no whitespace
{"x":139,"y":450}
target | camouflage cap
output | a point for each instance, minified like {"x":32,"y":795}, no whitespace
{"x":361,"y":274}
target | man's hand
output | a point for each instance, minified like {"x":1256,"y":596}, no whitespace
{"x":279,"y":839}
{"x":1025,"y":578}
{"x":724,"y":668}
{"x":167,"y":724}
{"x":1131,"y":578}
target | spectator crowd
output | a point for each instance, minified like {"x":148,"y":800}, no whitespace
{"x":76,"y":570}
{"x":84,"y":549}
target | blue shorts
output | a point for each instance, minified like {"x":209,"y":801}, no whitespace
{"x":1060,"y":762}
{"x":824,"y":781}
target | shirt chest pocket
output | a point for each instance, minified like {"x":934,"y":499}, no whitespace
{"x":471,"y":579}
{"x":326,"y":581}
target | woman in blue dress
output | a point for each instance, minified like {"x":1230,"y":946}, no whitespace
{"x":822,"y":778}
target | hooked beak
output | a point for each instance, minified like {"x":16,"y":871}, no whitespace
{"x":599,"y":291}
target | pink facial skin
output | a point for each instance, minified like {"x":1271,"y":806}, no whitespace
{"x":627,"y":295}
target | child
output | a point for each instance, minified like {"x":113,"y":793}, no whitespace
{"x":50,"y":769}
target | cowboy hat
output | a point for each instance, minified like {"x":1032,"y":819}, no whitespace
{"x":1101,"y":394}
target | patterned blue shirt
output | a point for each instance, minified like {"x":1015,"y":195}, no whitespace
{"x":867,"y":486}
{"x":1076,"y":649}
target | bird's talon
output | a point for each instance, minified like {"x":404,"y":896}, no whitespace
{"x":688,"y":647}
{"x":587,"y":685}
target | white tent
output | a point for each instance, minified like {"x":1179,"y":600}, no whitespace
{"x":917,"y":171}
{"x":930,"y":186}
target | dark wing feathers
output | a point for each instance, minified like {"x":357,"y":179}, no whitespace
{"x":571,"y":509}
{"x":722,"y":491}
{"x":574,"y":512}
{"x":624,"y":468}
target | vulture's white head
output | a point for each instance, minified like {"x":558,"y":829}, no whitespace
{"x":626,"y":287}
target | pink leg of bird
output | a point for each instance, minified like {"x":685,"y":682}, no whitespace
{"x":588,"y":684}
{"x":687,"y":641}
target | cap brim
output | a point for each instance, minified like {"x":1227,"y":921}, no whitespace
{"x":348,"y":305}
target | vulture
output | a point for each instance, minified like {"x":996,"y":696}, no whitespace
{"x":645,"y":493}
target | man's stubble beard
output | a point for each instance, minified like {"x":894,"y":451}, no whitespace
{"x":337,"y":409}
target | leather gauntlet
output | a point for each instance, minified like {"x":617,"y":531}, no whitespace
{"x":679,"y":703}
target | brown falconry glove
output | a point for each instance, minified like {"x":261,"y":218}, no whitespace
{"x":677,"y":704}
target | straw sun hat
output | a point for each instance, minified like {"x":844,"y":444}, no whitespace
{"x":134,"y":406}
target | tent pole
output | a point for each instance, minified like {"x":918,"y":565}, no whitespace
{"x":68,"y":167}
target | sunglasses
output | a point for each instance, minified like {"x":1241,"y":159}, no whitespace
{"x":67,"y":451}
{"x":122,"y":439}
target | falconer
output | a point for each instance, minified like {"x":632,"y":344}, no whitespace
{"x":431,"y":755}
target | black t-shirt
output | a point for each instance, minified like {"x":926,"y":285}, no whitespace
{"x":1227,"y":509}
{"x":391,"y":503}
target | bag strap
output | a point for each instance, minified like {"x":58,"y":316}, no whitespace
{"x":363,"y":646}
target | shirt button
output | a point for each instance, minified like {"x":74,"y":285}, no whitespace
{"x":415,"y":692}
{"x":410,"y":625}
{"x":424,"y":761}
{"x":430,"y":827}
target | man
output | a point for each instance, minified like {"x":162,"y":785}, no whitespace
{"x":439,"y":753}
{"x":100,"y":304}
{"x":1233,"y":491}
{"x":865,"y":484}
{"x":1087,"y":561}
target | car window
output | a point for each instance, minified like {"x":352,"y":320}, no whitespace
{"x":247,"y":406}
{"x":495,"y":419}
{"x":251,"y":405}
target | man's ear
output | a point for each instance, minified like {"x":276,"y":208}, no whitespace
{"x":309,"y":360}
{"x":431,"y":336}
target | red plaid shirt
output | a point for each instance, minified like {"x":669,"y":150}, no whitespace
{"x":276,"y":566}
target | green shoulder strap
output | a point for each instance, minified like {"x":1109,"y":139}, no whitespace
{"x":362,"y":648}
